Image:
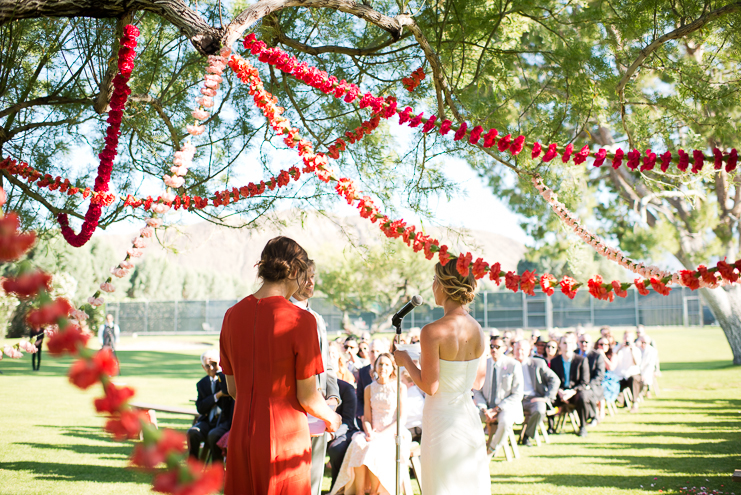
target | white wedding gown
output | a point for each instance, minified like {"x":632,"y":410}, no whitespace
{"x":454,"y":459}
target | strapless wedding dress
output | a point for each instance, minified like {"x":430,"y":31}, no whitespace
{"x":454,"y":459}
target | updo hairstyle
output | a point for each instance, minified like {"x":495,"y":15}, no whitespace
{"x":280,"y":258}
{"x":458,"y":288}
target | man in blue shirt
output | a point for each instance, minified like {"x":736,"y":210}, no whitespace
{"x":573,"y":371}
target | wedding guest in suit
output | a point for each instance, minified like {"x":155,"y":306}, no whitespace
{"x":215,"y":406}
{"x":36,"y":356}
{"x":340,"y":440}
{"x":500,"y":399}
{"x":326,"y":382}
{"x":540,"y":388}
{"x":597,"y":371}
{"x":585,"y":345}
{"x":573,"y":371}
{"x":375,"y":349}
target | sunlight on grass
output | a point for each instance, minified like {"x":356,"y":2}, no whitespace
{"x":52,"y":442}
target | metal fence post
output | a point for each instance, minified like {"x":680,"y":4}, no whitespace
{"x":524,"y":311}
{"x":205,"y":317}
{"x":636,"y":307}
{"x":486,"y":310}
{"x":176,"y":316}
{"x":591,"y":310}
{"x":548,"y":312}
{"x":685,"y":312}
{"x":146,"y":316}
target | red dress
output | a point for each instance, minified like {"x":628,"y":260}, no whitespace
{"x":268,"y":344}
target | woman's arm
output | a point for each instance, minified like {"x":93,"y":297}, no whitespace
{"x":367,"y":418}
{"x":231,"y":386}
{"x":427,"y":378}
{"x":313,"y":403}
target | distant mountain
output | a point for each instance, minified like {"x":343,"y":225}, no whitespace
{"x":206,"y":246}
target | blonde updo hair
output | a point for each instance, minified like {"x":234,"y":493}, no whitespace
{"x":458,"y":288}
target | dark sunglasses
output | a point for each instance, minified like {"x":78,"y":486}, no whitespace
{"x":494,"y":346}
{"x":350,"y":347}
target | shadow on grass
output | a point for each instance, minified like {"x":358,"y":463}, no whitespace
{"x":77,"y":472}
{"x":610,"y":482}
{"x":697,"y":366}
{"x":110,"y":451}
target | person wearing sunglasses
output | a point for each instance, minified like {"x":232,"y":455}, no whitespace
{"x":540,"y":388}
{"x":500,"y":399}
{"x":573,"y":371}
{"x":551,"y":351}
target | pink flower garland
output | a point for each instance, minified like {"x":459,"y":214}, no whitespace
{"x":121,"y":91}
{"x":330,"y":85}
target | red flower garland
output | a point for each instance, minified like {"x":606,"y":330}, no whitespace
{"x":411,"y":83}
{"x":121,"y":91}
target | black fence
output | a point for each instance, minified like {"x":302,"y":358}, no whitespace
{"x":491,"y":309}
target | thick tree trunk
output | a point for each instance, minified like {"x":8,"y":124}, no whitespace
{"x":726,"y":306}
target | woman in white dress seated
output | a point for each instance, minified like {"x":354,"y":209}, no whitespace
{"x":454,"y":460}
{"x":371,"y":457}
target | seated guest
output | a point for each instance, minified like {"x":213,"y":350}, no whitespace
{"x":611,"y":383}
{"x":354,"y":362}
{"x":500,"y":399}
{"x":539,"y":348}
{"x":628,"y":367}
{"x":540,"y":388}
{"x":375,"y":349}
{"x":215,"y":406}
{"x":585,"y":345}
{"x":597,"y":369}
{"x":551,"y":351}
{"x":573,"y":371}
{"x":414,"y":407}
{"x":339,"y":363}
{"x":649,"y":361}
{"x":507,"y":338}
{"x":340,"y":440}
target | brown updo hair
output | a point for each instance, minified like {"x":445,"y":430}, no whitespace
{"x":458,"y":288}
{"x":281,"y":257}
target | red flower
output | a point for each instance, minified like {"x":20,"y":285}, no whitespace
{"x":581,"y":157}
{"x":443,"y":255}
{"x":86,"y":372}
{"x":48,"y":314}
{"x":479,"y":268}
{"x":463,"y":264}
{"x":568,"y":286}
{"x":547,"y":282}
{"x":641,"y":286}
{"x":13,"y":244}
{"x":718,"y":159}
{"x":517,"y":145}
{"x":495,"y":273}
{"x":634,"y":158}
{"x":429,"y":253}
{"x":202,"y":480}
{"x":490,"y":138}
{"x":115,"y":397}
{"x":649,"y":161}
{"x":405,"y":115}
{"x":476,"y":134}
{"x":429,"y":124}
{"x":28,"y":284}
{"x":660,"y":287}
{"x":666,"y":160}
{"x":528,"y":281}
{"x":618,"y":159}
{"x":512,"y":281}
{"x":567,"y":153}
{"x":69,"y":340}
{"x":684,"y":160}
{"x":445,"y":127}
{"x":551,"y":153}
{"x":150,"y":456}
{"x":537,"y":148}
{"x":618,"y":288}
{"x":689,"y":279}
{"x":732,"y":160}
{"x":127,"y":424}
{"x":504,"y":143}
{"x":726,"y":271}
{"x":598,"y":290}
{"x":416,"y":120}
{"x":460,"y":132}
{"x":699,"y":161}
{"x":599,"y":157}
{"x":707,"y":276}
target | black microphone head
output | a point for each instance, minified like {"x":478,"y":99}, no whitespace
{"x":417,"y":300}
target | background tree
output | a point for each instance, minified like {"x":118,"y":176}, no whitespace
{"x":660,"y":74}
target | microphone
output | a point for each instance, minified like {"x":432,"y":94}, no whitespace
{"x":405,"y":310}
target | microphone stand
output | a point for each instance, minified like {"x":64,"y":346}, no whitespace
{"x":397,"y":339}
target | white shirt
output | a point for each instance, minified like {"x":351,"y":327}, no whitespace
{"x":414,"y":406}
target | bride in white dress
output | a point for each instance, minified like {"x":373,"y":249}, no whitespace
{"x":454,"y":459}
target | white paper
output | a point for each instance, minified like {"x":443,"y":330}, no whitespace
{"x":414,"y":350}
{"x":317,"y":427}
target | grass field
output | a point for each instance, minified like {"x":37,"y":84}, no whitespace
{"x":51,"y":440}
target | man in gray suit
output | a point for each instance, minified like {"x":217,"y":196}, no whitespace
{"x":500,"y":399}
{"x":540,"y":388}
{"x":326,"y":382}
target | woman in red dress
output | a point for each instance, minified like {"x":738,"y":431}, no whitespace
{"x":270,"y":356}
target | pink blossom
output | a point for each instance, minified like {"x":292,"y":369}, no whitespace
{"x":195,"y":130}
{"x":147,"y":232}
{"x":181,"y":170}
{"x":214,"y":78}
{"x":174,"y":181}
{"x":199,"y":114}
{"x":12,"y":352}
{"x":95,"y":301}
{"x":134,"y":253}
{"x":205,"y":101}
{"x":211,"y":84}
{"x":139,"y":242}
{"x":79,"y":314}
{"x":160,"y":208}
{"x":128,"y":265}
{"x":107,"y":287}
{"x":27,"y":346}
{"x":225,"y":52}
{"x":154,"y":223}
{"x":168,"y":196}
{"x":119,"y":272}
{"x":215,"y":69}
{"x":208,"y":92}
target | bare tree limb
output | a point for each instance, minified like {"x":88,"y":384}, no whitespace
{"x":157,"y":105}
{"x":43,"y":101}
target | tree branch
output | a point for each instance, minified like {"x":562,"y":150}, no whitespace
{"x":103,"y":100}
{"x":157,"y":105}
{"x":43,"y":101}
{"x":35,"y":195}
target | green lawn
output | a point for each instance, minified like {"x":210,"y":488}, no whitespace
{"x":51,"y":440}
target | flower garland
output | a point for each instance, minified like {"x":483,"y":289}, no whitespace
{"x":411,"y":83}
{"x":330,"y":85}
{"x":121,"y":92}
